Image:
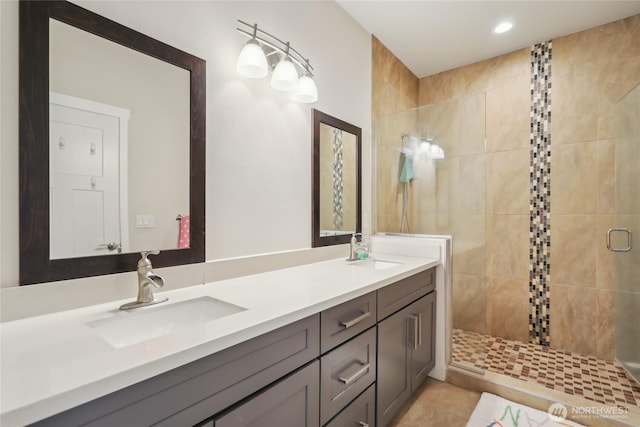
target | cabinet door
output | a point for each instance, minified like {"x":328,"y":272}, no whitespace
{"x":393,"y":383}
{"x":405,"y":355}
{"x":422,"y":324}
{"x":291,"y":402}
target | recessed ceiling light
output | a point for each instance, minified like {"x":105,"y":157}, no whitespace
{"x":502,"y":27}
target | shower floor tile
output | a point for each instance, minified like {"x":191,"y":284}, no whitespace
{"x":575,"y":374}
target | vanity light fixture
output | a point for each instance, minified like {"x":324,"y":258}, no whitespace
{"x":502,"y":27}
{"x":252,"y":61}
{"x":291,"y":71}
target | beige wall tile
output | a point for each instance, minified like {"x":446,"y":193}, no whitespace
{"x":574,"y":108}
{"x":389,"y":223}
{"x":508,"y":182}
{"x":626,"y":264}
{"x":472,"y":124}
{"x":446,"y":170}
{"x":508,"y":308}
{"x":394,"y":86}
{"x":574,"y":178}
{"x":573,"y":326}
{"x":619,"y":39}
{"x":469,"y":185}
{"x":468,"y":243}
{"x":605,"y":260}
{"x":441,"y":121}
{"x":508,"y":118}
{"x":506,"y":67}
{"x":508,"y":246}
{"x":606,"y":188}
{"x":571,"y":52}
{"x":605,"y":324}
{"x":573,"y":250}
{"x":469,"y":302}
{"x":389,"y":189}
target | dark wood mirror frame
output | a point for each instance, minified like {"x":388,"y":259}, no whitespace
{"x":35,"y":265}
{"x":318,"y":118}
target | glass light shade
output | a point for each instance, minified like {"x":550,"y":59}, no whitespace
{"x":307,"y":90}
{"x":285,"y":76}
{"x":252,"y":62}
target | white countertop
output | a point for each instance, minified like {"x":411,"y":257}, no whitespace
{"x":56,"y":362}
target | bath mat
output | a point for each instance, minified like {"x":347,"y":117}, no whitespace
{"x":494,"y":411}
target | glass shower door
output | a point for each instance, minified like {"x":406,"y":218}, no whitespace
{"x":620,"y":239}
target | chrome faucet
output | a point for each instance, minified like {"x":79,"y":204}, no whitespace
{"x":147,"y":279}
{"x":352,"y":247}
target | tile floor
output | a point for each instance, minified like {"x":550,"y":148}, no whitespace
{"x":438,"y":404}
{"x":571,"y":373}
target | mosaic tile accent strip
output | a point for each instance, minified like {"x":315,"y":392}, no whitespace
{"x":540,"y":194}
{"x":594,"y":379}
{"x":338,"y":187}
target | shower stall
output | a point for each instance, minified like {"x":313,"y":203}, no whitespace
{"x":444,"y":194}
{"x":455,"y":194}
{"x":620,"y":239}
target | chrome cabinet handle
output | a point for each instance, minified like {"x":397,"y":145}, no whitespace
{"x":416,"y":320}
{"x":112,"y":246}
{"x":350,"y":323}
{"x":363,"y":424}
{"x":360,"y":372}
{"x":624,"y":230}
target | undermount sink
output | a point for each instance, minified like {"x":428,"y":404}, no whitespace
{"x":131,"y":327}
{"x":376,"y":264}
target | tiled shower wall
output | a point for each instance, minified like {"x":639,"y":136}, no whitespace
{"x":592,"y":70}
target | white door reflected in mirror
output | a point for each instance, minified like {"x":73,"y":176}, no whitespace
{"x":88,"y":196}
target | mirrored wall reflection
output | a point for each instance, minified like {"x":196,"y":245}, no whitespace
{"x":440,"y":196}
{"x":119,"y":144}
{"x":337,"y":181}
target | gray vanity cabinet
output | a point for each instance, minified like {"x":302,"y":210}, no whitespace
{"x":291,"y":402}
{"x":354,"y":364}
{"x":197,"y":391}
{"x":406,"y":347}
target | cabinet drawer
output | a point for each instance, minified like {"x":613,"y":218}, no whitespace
{"x":361,"y":412}
{"x":291,"y":402}
{"x":196,"y":391}
{"x":346,"y":320}
{"x":397,"y":295}
{"x":346,"y":372}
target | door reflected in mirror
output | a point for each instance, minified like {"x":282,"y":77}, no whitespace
{"x":90,"y":86}
{"x":119,"y":147}
{"x":336,"y":180}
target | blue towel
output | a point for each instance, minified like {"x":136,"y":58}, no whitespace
{"x":407,"y":169}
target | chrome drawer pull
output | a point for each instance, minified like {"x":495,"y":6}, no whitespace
{"x":360,"y":372}
{"x":363,"y":424}
{"x":355,"y":321}
{"x":416,"y":320}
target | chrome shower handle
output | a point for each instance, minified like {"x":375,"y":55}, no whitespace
{"x":611,"y":248}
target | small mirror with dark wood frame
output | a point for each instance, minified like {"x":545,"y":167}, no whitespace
{"x":337,"y":167}
{"x":38,"y":260}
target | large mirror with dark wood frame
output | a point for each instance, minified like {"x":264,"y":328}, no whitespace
{"x":337,"y":195}
{"x":112,"y":146}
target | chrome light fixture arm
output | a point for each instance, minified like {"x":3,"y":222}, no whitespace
{"x":275,"y":45}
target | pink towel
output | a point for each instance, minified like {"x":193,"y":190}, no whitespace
{"x":183,"y":240}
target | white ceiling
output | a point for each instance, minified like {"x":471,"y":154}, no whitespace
{"x":431,"y":36}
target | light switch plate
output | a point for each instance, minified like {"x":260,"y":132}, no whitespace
{"x":145,"y":221}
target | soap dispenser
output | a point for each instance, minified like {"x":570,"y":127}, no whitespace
{"x":362,"y":247}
